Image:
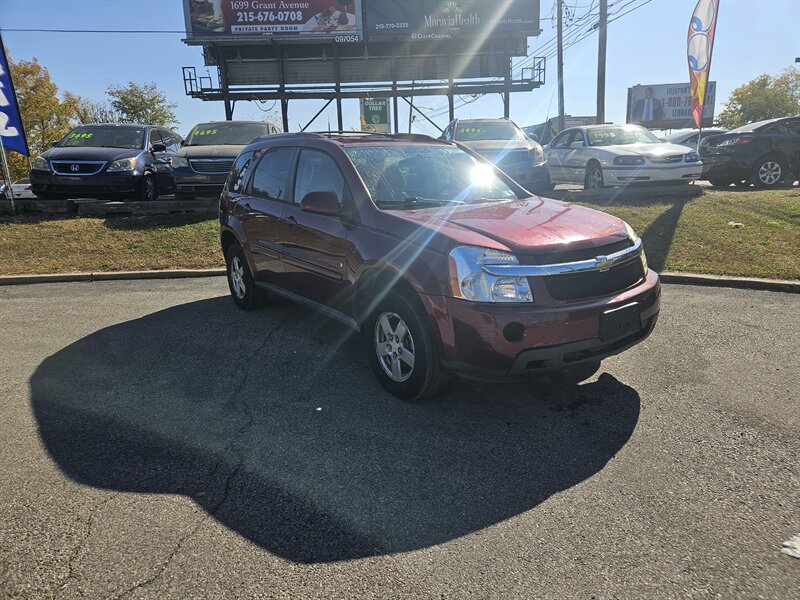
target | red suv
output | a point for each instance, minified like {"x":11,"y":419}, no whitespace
{"x":442,"y":262}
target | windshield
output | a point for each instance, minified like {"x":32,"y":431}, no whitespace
{"x":620,"y":136}
{"x":751,"y":126}
{"x":414,"y":174}
{"x":105,"y":137}
{"x":232,"y":134}
{"x":469,"y":131}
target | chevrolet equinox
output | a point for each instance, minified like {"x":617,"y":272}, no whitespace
{"x":441,"y":261}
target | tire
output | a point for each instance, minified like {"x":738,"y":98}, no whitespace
{"x":594,"y":177}
{"x":388,"y":357}
{"x":720,"y":182}
{"x":768,"y":172}
{"x":575,"y":374}
{"x":148,"y":189}
{"x":244,"y":291}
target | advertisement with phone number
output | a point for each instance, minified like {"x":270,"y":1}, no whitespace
{"x":337,"y":18}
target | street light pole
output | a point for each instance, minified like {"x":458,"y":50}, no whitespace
{"x":601,"y":63}
{"x":560,"y":7}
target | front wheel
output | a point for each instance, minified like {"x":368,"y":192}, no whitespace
{"x":401,"y":350}
{"x":594,"y":178}
{"x":147,"y":189}
{"x":768,"y":172}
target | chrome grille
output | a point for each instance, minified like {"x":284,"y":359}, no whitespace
{"x":78,"y":167}
{"x":672,"y":158}
{"x":211,"y":165}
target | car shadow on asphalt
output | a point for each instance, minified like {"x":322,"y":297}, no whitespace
{"x":274,"y":424}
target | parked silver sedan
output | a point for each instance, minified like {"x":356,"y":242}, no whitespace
{"x":597,"y":156}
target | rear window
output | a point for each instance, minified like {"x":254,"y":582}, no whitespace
{"x":104,"y":137}
{"x":233,"y":134}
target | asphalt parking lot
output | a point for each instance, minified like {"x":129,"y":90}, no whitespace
{"x":159,"y":443}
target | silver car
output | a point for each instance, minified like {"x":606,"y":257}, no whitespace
{"x":597,"y":156}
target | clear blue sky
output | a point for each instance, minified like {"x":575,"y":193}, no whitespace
{"x":645,"y":46}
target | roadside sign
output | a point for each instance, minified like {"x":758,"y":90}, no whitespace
{"x":375,"y":115}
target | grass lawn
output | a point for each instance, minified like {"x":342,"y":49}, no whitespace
{"x":679,"y":235}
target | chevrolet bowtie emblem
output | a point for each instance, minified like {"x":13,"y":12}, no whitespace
{"x":602,"y":263}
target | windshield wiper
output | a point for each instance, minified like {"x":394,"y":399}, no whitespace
{"x":412,"y":201}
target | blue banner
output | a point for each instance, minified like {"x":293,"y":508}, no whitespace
{"x":11,"y":129}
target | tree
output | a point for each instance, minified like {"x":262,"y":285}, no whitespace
{"x":142,"y":103}
{"x":765,"y":97}
{"x":89,"y":111}
{"x":45,"y":116}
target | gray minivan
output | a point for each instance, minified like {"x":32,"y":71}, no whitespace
{"x":201,"y":166}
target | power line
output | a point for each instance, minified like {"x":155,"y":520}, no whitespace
{"x":137,"y":31}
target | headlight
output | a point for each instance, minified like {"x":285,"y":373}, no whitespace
{"x":469,"y":281}
{"x":538,"y":155}
{"x":691,"y":157}
{"x":125,"y":164}
{"x":41,"y":163}
{"x":179,"y":161}
{"x":635,"y":238}
{"x":629,"y":160}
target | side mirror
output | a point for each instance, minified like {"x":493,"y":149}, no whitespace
{"x":54,"y":144}
{"x":159,"y":148}
{"x":577,"y":145}
{"x":183,"y":143}
{"x":321,"y":203}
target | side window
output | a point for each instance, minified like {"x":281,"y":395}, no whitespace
{"x":448,"y":133}
{"x":793,"y":127}
{"x":239,"y":171}
{"x":692,"y":140}
{"x":776,"y":129}
{"x":317,"y":172}
{"x":271,"y":177}
{"x":155,"y":137}
{"x":563,"y":140}
{"x":172,"y":140}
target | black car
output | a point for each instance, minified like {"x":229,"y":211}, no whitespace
{"x":506,"y":145}
{"x":765,"y":153}
{"x":202,"y":165}
{"x":107,"y":161}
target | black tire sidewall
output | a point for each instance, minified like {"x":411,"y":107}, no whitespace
{"x":416,"y":387}
{"x":252,"y":297}
{"x":143,"y":188}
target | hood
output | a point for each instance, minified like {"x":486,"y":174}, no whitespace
{"x":525,"y":227}
{"x":647,"y":150}
{"x":109,"y":154}
{"x":219,"y":151}
{"x":491,"y":148}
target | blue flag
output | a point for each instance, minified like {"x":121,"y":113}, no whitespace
{"x":11,"y":129}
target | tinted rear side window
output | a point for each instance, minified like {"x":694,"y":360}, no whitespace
{"x":238,"y":174}
{"x":271,"y":177}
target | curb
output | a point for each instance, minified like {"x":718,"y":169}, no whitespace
{"x":109,"y":276}
{"x":748,"y":283}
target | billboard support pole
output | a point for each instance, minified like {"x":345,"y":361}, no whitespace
{"x":560,"y":42}
{"x":507,"y":93}
{"x":338,"y":88}
{"x":601,"y":63}
{"x":451,"y":107}
{"x":282,"y":88}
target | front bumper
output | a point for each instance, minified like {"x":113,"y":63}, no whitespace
{"x":618,"y":175}
{"x":189,"y":182}
{"x":474,"y":337}
{"x":124,"y":183}
{"x":725,"y":165}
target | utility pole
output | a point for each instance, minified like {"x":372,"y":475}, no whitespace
{"x":601,"y":63}
{"x":560,"y":6}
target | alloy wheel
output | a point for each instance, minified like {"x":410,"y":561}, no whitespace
{"x":770,"y":172}
{"x":595,"y":179}
{"x":394,"y":346}
{"x":149,"y":188}
{"x":237,"y":278}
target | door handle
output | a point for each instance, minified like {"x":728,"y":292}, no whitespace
{"x":290,"y":220}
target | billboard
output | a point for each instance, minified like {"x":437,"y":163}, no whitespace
{"x":668,"y":105}
{"x":447,"y":19}
{"x":256,"y":18}
{"x":375,"y":115}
